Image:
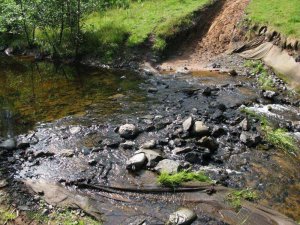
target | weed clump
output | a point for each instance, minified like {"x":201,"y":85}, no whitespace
{"x":235,"y":198}
{"x":173,"y":180}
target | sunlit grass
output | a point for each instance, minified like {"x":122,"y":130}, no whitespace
{"x":282,"y":15}
{"x":136,"y":23}
{"x":173,"y":180}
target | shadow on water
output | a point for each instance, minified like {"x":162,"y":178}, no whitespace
{"x":31,"y":92}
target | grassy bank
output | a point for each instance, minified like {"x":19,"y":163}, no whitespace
{"x":133,"y":25}
{"x":282,"y":15}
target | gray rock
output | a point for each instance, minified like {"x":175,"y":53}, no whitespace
{"x":75,"y":130}
{"x":269,"y":94}
{"x":128,"y":131}
{"x":183,"y":216}
{"x":178,"y":151}
{"x":187,"y":124}
{"x":193,"y":157}
{"x":208,"y":142}
{"x":168,"y":166}
{"x":200,"y":129}
{"x":136,"y":162}
{"x":250,"y":139}
{"x":149,"y":144}
{"x":66,"y":152}
{"x":153,"y":156}
{"x":245,"y":125}
{"x":128,"y":145}
{"x":9,"y":144}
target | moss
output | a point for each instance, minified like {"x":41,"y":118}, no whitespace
{"x":173,"y":180}
{"x":235,"y":198}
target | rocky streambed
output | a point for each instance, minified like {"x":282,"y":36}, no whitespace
{"x":105,"y":142}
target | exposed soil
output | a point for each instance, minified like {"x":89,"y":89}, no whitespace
{"x":195,"y":54}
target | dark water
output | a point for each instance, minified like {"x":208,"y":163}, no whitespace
{"x":31,"y":92}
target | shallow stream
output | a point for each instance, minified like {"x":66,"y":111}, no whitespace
{"x":74,"y":112}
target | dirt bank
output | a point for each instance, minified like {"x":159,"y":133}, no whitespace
{"x":195,"y":54}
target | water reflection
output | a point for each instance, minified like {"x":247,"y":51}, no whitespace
{"x":32,"y":92}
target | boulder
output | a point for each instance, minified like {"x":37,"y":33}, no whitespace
{"x":169,"y":166}
{"x":245,"y":125}
{"x":208,"y":142}
{"x":179,"y":151}
{"x":128,"y":131}
{"x":187,"y":124}
{"x":250,"y":139}
{"x":269,"y":94}
{"x":136,"y":162}
{"x":200,"y":129}
{"x":9,"y":144}
{"x":182,"y":216}
{"x":66,"y":153}
{"x":193,"y":157}
{"x":149,"y":144}
{"x":153,"y":156}
{"x":128,"y":145}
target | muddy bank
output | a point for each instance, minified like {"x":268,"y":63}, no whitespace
{"x":193,"y":121}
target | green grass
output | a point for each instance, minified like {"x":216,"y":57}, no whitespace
{"x":264,"y":79}
{"x":135,"y":24}
{"x":235,"y":198}
{"x":173,"y":180}
{"x":277,"y":136}
{"x":281,"y":15}
{"x":6,"y":215}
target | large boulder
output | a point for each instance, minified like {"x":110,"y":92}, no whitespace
{"x":182,"y":216}
{"x":128,"y":131}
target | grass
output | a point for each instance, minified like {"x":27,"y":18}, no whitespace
{"x":235,"y":198}
{"x":173,"y":180}
{"x":264,"y":79}
{"x":277,"y":136}
{"x":281,"y":15}
{"x":135,"y":24}
{"x":7,"y":215}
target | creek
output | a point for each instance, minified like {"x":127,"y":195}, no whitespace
{"x":65,"y":120}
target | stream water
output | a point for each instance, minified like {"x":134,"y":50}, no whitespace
{"x":74,"y":113}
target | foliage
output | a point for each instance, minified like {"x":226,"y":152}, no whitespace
{"x":173,"y":180}
{"x":235,"y":198}
{"x":282,"y":15}
{"x":277,"y":136}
